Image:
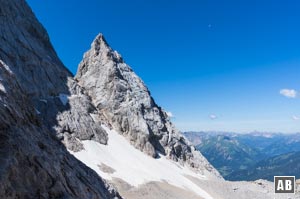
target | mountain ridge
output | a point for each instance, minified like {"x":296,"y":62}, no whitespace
{"x":125,"y":101}
{"x":247,"y":156}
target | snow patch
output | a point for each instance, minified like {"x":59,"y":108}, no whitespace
{"x":64,"y":98}
{"x":5,"y":66}
{"x":170,"y":114}
{"x":2,"y":88}
{"x":135,"y":167}
{"x":37,"y":111}
{"x":43,"y":100}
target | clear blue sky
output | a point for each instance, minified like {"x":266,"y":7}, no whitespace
{"x":216,"y":65}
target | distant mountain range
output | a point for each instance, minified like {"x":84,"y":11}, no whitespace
{"x":250,"y":156}
{"x":287,"y":164}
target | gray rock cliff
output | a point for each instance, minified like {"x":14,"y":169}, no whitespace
{"x":124,"y":100}
{"x":26,"y":49}
{"x":33,"y":162}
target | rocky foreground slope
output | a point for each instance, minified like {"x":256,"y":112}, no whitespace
{"x":105,"y":117}
{"x":33,"y":162}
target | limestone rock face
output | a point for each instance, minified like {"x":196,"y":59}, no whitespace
{"x":33,"y":163}
{"x":26,"y":49}
{"x":72,"y":117}
{"x":122,"y":97}
{"x":34,"y":90}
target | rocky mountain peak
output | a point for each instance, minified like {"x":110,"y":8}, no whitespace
{"x":100,"y":43}
{"x":124,"y":100}
{"x":101,"y":52}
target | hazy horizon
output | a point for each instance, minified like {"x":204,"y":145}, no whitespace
{"x":236,"y":132}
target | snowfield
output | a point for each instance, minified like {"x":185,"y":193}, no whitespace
{"x":135,"y":167}
{"x":120,"y":160}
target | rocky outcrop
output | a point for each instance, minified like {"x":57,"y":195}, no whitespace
{"x":26,"y":48}
{"x":72,"y":117}
{"x":34,"y":90}
{"x":122,"y":97}
{"x":33,"y":163}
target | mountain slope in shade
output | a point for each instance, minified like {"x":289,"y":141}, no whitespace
{"x":26,"y":49}
{"x":33,"y":162}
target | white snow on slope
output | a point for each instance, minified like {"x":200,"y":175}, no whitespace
{"x":135,"y":167}
{"x":2,"y":88}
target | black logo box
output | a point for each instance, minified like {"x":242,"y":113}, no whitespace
{"x":284,"y":184}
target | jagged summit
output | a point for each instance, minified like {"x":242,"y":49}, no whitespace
{"x":100,"y":44}
{"x":100,"y":40}
{"x":123,"y":98}
{"x":102,"y":51}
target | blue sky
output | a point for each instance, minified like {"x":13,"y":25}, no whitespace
{"x":216,"y":65}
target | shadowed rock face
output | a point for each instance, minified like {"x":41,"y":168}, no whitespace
{"x":27,"y":51}
{"x":25,"y":47}
{"x":33,"y":162}
{"x":122,"y":97}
